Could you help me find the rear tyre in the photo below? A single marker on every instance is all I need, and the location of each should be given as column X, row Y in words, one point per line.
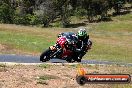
column 78, row 60
column 69, row 61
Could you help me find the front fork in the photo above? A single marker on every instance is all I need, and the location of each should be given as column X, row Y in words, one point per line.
column 57, row 50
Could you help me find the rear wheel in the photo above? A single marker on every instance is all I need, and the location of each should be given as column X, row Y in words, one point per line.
column 69, row 60
column 75, row 58
column 78, row 60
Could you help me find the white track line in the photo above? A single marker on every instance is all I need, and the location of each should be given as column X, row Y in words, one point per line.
column 14, row 63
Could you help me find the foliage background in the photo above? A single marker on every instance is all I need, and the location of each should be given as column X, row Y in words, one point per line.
column 45, row 12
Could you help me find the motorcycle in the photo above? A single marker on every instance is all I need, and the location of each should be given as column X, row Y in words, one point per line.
column 61, row 50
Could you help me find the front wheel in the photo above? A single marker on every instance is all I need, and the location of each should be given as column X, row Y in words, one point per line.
column 45, row 56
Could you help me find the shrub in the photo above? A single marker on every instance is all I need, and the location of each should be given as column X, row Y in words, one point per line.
column 6, row 13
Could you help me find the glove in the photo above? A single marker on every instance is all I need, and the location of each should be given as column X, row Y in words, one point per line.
column 52, row 47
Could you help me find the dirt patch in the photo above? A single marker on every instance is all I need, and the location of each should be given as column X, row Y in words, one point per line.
column 21, row 76
column 2, row 47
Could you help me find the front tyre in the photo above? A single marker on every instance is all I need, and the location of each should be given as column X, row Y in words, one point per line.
column 45, row 56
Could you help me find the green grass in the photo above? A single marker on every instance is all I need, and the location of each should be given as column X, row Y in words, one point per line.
column 42, row 79
column 114, row 26
column 44, row 66
column 110, row 53
column 47, row 77
column 3, row 68
column 3, row 65
column 25, row 41
column 127, row 17
column 42, row 82
column 112, row 41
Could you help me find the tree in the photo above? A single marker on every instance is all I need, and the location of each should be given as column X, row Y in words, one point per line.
column 63, row 7
column 88, row 5
column 45, row 11
column 6, row 12
column 117, row 5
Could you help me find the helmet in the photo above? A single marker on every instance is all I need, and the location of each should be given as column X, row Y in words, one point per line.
column 82, row 33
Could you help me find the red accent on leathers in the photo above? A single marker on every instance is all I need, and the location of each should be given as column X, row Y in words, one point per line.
column 61, row 41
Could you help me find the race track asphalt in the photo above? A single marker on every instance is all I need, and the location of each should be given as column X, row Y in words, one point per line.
column 35, row 59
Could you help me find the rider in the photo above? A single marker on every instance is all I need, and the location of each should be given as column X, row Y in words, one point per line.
column 83, row 44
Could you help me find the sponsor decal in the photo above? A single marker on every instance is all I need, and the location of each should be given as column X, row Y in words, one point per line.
column 83, row 78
